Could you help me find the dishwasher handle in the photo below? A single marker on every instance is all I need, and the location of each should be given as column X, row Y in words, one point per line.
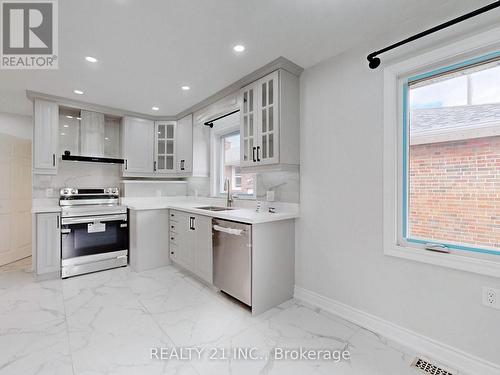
column 235, row 232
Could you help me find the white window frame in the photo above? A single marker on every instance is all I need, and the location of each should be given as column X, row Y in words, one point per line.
column 395, row 76
column 217, row 135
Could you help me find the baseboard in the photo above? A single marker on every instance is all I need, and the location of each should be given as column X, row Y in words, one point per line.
column 448, row 355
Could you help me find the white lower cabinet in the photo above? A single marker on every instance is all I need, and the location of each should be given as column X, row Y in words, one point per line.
column 191, row 243
column 148, row 239
column 47, row 242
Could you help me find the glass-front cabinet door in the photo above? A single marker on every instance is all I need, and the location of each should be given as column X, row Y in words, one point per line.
column 164, row 147
column 247, row 126
column 267, row 152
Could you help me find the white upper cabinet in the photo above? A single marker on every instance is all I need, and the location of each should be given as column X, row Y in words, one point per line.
column 157, row 149
column 184, row 140
column 45, row 137
column 165, row 147
column 269, row 126
column 268, row 140
column 137, row 146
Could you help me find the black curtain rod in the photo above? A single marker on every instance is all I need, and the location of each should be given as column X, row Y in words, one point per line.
column 374, row 62
column 211, row 122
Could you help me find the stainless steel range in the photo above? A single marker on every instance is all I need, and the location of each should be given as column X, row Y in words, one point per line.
column 94, row 230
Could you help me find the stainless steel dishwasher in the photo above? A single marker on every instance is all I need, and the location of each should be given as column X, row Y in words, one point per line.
column 232, row 258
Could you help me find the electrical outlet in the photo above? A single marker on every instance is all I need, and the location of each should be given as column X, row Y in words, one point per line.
column 270, row 195
column 491, row 297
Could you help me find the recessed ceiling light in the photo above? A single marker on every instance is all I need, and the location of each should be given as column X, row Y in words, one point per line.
column 106, row 138
column 239, row 48
column 78, row 92
column 154, row 108
column 63, row 133
column 91, row 59
column 69, row 116
column 185, row 88
column 78, row 118
column 66, row 126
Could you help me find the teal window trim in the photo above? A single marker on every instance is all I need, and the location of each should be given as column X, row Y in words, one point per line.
column 405, row 134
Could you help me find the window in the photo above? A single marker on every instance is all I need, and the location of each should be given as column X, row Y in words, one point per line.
column 452, row 159
column 442, row 156
column 242, row 184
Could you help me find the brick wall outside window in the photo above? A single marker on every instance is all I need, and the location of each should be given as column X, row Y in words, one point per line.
column 454, row 191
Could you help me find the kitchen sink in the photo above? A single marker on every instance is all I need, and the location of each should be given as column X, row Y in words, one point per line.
column 214, row 208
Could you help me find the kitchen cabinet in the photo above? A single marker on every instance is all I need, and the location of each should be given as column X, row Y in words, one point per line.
column 137, row 147
column 165, row 148
column 269, row 126
column 149, row 244
column 184, row 143
column 45, row 137
column 191, row 243
column 47, row 243
column 157, row 149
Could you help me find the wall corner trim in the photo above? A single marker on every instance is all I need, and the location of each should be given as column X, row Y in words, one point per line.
column 426, row 346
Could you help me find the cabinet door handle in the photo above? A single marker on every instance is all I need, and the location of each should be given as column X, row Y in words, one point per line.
column 126, row 164
column 258, row 149
column 154, row 166
column 191, row 223
column 253, row 155
column 182, row 164
column 58, row 225
column 53, row 160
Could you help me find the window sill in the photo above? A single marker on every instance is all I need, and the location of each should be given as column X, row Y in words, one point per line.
column 454, row 261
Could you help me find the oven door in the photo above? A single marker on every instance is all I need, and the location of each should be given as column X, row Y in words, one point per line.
column 84, row 236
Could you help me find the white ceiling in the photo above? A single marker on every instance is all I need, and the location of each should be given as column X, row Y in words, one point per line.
column 148, row 49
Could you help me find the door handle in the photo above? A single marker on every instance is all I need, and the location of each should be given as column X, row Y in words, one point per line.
column 53, row 160
column 258, row 149
column 154, row 166
column 191, row 223
column 126, row 164
column 182, row 164
column 253, row 155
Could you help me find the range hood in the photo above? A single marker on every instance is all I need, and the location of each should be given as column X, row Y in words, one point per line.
column 93, row 159
column 89, row 137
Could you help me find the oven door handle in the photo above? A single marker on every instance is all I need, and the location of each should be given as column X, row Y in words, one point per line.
column 93, row 219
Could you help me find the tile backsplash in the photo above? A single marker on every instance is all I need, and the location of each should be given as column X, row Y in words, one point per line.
column 76, row 174
column 285, row 184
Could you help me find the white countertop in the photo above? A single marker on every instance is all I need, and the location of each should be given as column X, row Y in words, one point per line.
column 48, row 205
column 245, row 214
column 244, row 211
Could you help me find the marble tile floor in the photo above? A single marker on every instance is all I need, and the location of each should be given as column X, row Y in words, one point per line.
column 108, row 322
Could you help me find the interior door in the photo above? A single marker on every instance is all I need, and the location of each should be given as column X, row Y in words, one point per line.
column 268, row 143
column 15, row 198
column 165, row 147
column 247, row 126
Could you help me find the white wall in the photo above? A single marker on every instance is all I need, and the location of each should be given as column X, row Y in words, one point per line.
column 16, row 125
column 339, row 234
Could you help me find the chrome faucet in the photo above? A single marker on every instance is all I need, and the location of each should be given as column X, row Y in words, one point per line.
column 227, row 187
